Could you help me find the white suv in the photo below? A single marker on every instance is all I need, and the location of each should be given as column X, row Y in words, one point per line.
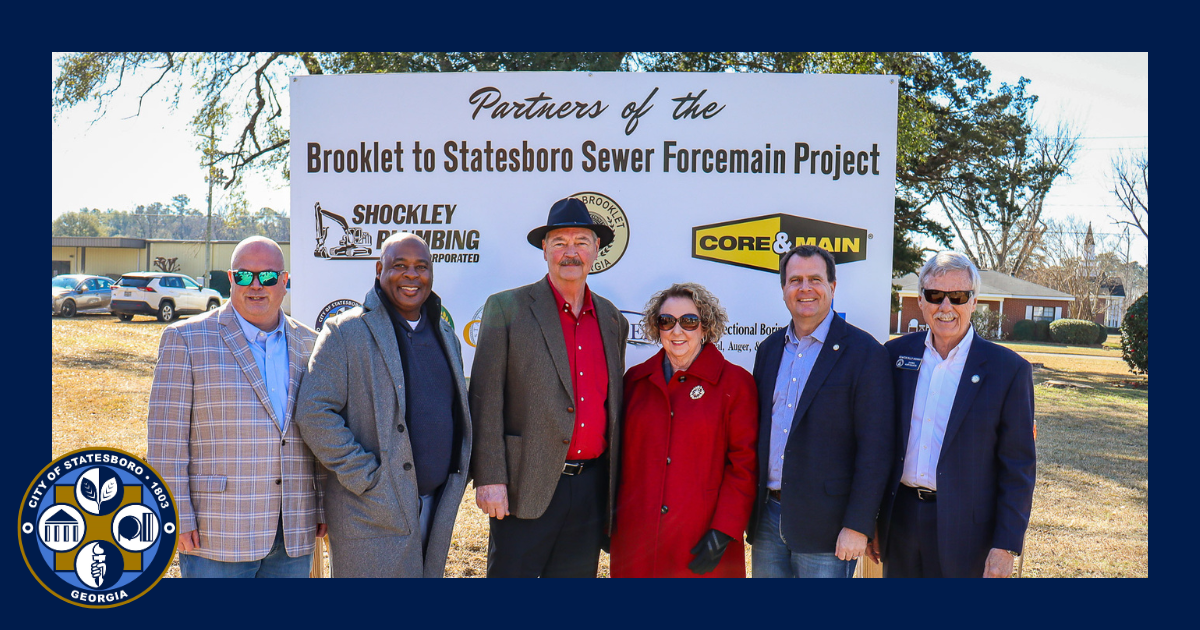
column 163, row 295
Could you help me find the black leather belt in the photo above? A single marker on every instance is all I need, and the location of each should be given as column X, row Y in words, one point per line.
column 571, row 468
column 923, row 494
column 775, row 494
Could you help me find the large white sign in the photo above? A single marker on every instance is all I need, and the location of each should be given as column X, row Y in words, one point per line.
column 704, row 177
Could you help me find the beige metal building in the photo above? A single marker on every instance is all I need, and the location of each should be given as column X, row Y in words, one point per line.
column 113, row 256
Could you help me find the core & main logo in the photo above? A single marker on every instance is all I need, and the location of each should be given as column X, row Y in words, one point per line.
column 758, row 242
column 98, row 527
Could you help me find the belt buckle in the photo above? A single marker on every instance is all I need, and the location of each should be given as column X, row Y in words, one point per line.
column 572, row 468
column 925, row 494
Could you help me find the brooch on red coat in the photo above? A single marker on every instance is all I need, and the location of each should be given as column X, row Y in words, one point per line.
column 697, row 392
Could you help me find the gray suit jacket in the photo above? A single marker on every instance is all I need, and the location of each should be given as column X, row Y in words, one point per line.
column 350, row 413
column 521, row 393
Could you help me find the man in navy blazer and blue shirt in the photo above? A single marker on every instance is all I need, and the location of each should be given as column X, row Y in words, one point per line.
column 961, row 490
column 825, row 431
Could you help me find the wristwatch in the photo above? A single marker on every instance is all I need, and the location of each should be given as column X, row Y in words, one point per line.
column 1013, row 553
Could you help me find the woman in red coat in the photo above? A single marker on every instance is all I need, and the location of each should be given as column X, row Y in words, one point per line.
column 689, row 462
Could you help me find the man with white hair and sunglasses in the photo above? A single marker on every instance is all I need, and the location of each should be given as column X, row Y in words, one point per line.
column 961, row 488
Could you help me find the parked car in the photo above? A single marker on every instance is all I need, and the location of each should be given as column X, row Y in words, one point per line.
column 79, row 293
column 163, row 295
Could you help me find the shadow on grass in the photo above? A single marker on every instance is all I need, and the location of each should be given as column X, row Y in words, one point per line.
column 1103, row 383
column 131, row 363
column 1096, row 435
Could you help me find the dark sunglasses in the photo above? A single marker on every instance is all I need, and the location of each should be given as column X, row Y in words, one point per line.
column 957, row 298
column 688, row 322
column 244, row 278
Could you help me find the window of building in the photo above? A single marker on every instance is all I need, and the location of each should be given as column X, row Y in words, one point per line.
column 1043, row 313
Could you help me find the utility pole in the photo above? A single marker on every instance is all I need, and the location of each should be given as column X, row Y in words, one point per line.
column 208, row 227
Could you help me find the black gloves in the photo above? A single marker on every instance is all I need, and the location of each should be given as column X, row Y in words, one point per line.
column 709, row 551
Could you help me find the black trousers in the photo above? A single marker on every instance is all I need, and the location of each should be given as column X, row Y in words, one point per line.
column 564, row 541
column 912, row 550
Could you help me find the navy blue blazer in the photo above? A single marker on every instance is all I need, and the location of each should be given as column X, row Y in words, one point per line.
column 840, row 447
column 985, row 471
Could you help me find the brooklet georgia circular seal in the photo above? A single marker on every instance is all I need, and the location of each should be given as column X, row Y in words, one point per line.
column 98, row 527
column 604, row 210
column 333, row 308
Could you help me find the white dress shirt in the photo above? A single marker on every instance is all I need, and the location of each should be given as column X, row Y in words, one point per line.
column 937, row 384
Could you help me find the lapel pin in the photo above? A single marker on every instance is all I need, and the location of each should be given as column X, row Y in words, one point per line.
column 975, row 378
column 697, row 392
column 836, row 347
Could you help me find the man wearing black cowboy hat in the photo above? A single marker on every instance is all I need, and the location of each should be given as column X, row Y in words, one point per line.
column 545, row 396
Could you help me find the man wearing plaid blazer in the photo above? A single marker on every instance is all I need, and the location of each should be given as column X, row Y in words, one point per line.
column 220, row 430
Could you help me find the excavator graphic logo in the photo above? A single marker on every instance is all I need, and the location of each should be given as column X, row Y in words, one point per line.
column 355, row 243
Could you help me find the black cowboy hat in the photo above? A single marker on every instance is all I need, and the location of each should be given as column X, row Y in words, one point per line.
column 566, row 213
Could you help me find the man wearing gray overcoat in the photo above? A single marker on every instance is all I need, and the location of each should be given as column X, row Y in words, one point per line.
column 384, row 409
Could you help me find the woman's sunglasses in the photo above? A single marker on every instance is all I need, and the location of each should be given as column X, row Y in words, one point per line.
column 688, row 322
column 957, row 298
column 246, row 278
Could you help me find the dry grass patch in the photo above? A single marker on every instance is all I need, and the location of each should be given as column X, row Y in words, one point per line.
column 1091, row 508
column 101, row 371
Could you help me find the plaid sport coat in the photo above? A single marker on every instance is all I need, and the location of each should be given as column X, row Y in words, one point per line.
column 213, row 436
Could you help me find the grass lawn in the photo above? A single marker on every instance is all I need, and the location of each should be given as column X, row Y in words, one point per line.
column 1090, row 512
column 1059, row 348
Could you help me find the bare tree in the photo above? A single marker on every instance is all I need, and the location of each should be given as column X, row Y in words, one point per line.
column 996, row 209
column 1073, row 260
column 1131, row 185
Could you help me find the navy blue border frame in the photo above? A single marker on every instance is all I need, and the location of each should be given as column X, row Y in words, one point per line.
column 547, row 26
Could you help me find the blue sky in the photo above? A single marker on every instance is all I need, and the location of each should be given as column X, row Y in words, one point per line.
column 126, row 159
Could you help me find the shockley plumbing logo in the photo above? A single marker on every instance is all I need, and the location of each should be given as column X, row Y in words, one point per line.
column 98, row 527
column 758, row 242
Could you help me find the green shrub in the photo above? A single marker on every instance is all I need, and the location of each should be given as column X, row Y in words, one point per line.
column 1074, row 332
column 1031, row 330
column 1135, row 336
column 989, row 324
column 1101, row 334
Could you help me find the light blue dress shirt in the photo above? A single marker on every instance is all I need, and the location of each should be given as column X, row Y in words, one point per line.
column 799, row 355
column 271, row 354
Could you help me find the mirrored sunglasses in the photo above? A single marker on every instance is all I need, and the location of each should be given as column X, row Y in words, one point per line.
column 688, row 322
column 957, row 298
column 244, row 278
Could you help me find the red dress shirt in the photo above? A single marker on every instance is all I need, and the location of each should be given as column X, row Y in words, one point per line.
column 589, row 376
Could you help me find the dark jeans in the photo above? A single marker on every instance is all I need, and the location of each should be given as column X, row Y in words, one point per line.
column 565, row 541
